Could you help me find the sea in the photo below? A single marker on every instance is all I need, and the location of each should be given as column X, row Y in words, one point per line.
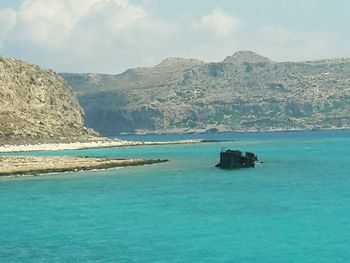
column 293, row 207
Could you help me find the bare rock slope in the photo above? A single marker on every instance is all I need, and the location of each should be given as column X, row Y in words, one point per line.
column 37, row 105
column 245, row 91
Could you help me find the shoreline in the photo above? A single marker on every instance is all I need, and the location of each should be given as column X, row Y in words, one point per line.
column 35, row 165
column 108, row 143
column 206, row 131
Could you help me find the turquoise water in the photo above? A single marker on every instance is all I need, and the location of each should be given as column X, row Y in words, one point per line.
column 295, row 207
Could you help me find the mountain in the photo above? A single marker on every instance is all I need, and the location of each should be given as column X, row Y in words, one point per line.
column 246, row 57
column 168, row 71
column 245, row 92
column 37, row 105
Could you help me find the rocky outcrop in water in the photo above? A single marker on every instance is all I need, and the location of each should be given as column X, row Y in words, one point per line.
column 37, row 105
column 233, row 159
column 243, row 92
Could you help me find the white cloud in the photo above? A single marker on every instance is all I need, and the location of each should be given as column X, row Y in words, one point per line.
column 112, row 35
column 212, row 37
column 7, row 22
column 51, row 24
column 96, row 35
column 218, row 23
column 114, row 15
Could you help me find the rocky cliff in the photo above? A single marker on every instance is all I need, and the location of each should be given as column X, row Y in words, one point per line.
column 37, row 105
column 243, row 92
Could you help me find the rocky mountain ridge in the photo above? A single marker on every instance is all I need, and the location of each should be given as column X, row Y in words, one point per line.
column 37, row 105
column 245, row 92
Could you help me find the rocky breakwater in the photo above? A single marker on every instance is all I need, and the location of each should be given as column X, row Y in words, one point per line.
column 37, row 105
column 34, row 165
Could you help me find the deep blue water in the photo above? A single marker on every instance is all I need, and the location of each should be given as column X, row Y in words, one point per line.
column 295, row 207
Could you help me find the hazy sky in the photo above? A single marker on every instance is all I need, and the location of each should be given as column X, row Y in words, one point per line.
column 109, row 36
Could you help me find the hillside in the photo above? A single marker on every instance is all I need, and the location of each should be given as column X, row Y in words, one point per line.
column 243, row 92
column 37, row 105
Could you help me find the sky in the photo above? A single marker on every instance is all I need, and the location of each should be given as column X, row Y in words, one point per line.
column 110, row 36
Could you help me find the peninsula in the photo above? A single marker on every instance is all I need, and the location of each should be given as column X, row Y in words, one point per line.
column 34, row 165
column 39, row 112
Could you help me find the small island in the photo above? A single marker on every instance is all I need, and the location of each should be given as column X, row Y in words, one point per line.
column 34, row 165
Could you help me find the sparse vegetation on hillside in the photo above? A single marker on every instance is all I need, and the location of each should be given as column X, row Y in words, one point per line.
column 37, row 105
column 244, row 92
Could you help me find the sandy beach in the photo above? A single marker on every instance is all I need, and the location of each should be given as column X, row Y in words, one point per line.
column 33, row 165
column 86, row 145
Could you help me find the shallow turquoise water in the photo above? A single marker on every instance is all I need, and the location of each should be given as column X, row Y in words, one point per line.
column 295, row 207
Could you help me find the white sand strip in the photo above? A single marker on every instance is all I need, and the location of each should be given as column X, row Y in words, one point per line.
column 86, row 145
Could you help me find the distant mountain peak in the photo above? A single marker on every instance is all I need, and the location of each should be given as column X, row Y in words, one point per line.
column 180, row 62
column 246, row 56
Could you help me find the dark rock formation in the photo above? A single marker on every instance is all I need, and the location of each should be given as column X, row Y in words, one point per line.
column 231, row 159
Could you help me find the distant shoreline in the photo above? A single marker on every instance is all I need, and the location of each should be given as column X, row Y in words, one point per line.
column 12, row 148
column 209, row 131
column 109, row 143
